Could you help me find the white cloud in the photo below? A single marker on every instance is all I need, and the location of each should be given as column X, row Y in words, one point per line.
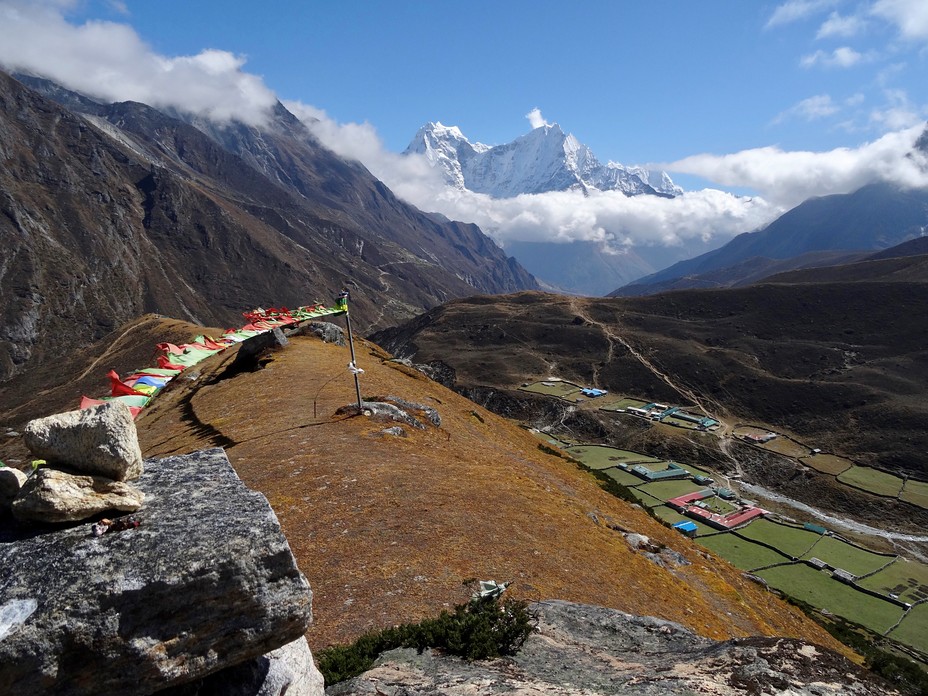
column 119, row 6
column 535, row 118
column 843, row 57
column 898, row 112
column 841, row 26
column 564, row 216
column 795, row 10
column 109, row 61
column 788, row 178
column 909, row 16
column 811, row 109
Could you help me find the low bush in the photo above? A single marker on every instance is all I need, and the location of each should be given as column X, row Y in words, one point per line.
column 478, row 630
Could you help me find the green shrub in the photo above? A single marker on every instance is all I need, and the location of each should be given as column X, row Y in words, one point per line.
column 479, row 630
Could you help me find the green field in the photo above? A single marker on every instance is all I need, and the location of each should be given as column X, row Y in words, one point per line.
column 603, row 457
column 823, row 592
column 827, row 463
column 793, row 541
column 645, row 499
column 670, row 515
column 550, row 388
column 840, row 554
column 906, row 579
column 915, row 492
column 914, row 628
column 785, row 446
column 623, row 404
column 872, row 480
column 740, row 552
column 623, row 477
column 665, row 490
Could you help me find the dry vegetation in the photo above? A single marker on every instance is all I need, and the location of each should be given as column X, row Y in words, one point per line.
column 389, row 528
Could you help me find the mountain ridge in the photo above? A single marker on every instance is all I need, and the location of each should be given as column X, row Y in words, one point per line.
column 544, row 159
column 121, row 209
column 874, row 217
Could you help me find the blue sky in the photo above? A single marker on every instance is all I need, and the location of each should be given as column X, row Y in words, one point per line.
column 777, row 99
column 637, row 82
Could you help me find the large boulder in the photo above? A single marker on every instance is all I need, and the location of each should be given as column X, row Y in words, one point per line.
column 205, row 581
column 100, row 440
column 581, row 650
column 55, row 496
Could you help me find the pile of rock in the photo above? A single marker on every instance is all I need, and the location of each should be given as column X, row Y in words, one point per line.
column 89, row 456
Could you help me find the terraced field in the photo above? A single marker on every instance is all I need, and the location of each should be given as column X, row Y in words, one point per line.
column 872, row 480
column 820, row 590
column 915, row 492
column 793, row 541
column 906, row 579
column 840, row 554
column 827, row 463
column 740, row 552
column 914, row 628
column 603, row 457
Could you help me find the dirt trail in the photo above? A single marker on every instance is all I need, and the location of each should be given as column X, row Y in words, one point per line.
column 612, row 337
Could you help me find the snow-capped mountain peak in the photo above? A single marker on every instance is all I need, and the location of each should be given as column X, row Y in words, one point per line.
column 544, row 159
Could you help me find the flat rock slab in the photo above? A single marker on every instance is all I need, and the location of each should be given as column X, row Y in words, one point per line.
column 206, row 580
column 584, row 650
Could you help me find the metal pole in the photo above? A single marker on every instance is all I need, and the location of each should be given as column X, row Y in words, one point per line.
column 357, row 382
column 343, row 304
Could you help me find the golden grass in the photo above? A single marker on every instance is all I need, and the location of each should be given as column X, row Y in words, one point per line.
column 387, row 528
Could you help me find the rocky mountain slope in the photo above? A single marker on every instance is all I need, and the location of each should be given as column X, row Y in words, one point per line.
column 389, row 526
column 875, row 217
column 112, row 210
column 545, row 159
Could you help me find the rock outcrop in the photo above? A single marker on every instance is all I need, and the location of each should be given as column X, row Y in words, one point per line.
column 205, row 581
column 50, row 495
column 580, row 649
column 100, row 440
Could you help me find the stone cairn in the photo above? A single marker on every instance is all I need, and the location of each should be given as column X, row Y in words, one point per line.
column 89, row 457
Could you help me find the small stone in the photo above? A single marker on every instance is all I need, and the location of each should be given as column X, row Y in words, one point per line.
column 11, row 481
column 55, row 496
column 395, row 431
column 101, row 440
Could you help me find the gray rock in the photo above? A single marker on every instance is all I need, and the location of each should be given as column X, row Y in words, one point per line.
column 328, row 332
column 292, row 672
column 288, row 670
column 11, row 481
column 252, row 350
column 587, row 651
column 395, row 431
column 205, row 581
column 99, row 440
column 430, row 413
column 53, row 496
column 640, row 542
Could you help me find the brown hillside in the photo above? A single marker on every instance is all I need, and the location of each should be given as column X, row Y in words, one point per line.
column 840, row 364
column 387, row 528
